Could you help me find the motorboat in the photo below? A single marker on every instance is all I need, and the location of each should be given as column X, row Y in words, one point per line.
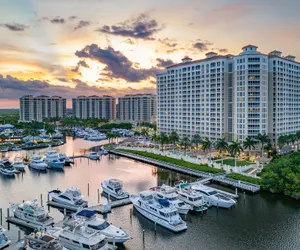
column 5, row 161
column 159, row 211
column 196, row 200
column 3, row 150
column 7, row 170
column 63, row 157
column 41, row 241
column 112, row 233
column 105, row 152
column 77, row 236
column 52, row 159
column 4, row 241
column 16, row 149
column 37, row 163
column 31, row 212
column 169, row 193
column 215, row 198
column 114, row 188
column 93, row 156
column 95, row 137
column 72, row 196
column 18, row 164
column 57, row 135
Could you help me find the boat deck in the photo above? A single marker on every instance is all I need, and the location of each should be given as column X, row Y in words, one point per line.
column 23, row 223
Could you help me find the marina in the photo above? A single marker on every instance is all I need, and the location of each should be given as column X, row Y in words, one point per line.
column 255, row 211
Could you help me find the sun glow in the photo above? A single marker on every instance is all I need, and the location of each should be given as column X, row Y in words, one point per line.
column 91, row 74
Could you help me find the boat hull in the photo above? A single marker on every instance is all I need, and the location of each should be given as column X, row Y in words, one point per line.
column 38, row 166
column 56, row 165
column 221, row 204
column 5, row 244
column 55, row 197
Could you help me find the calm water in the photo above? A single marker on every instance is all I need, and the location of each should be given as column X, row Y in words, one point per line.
column 262, row 222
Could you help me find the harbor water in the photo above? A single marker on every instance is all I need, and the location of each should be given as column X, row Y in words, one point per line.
column 258, row 222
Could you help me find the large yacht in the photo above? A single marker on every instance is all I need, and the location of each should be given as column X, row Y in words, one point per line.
column 18, row 164
column 52, row 159
column 7, row 170
column 4, row 241
column 169, row 193
column 216, row 199
column 114, row 188
column 196, row 200
column 111, row 232
column 72, row 196
column 159, row 211
column 77, row 236
column 31, row 212
column 64, row 158
column 37, row 163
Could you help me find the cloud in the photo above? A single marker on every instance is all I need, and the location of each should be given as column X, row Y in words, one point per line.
column 117, row 65
column 73, row 18
column 168, row 42
column 223, row 50
column 58, row 20
column 201, row 45
column 82, row 64
column 141, row 27
column 13, row 88
column 14, row 26
column 163, row 63
column 82, row 24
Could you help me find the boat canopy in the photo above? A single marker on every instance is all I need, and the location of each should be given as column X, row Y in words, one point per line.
column 86, row 213
column 164, row 202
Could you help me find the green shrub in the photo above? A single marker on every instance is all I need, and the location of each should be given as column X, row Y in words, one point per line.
column 241, row 177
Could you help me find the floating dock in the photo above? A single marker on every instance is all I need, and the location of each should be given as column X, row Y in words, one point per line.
column 23, row 223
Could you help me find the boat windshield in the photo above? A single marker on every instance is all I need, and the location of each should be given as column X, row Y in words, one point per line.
column 197, row 198
column 102, row 226
column 172, row 198
column 212, row 192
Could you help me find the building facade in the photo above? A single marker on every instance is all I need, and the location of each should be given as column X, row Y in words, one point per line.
column 94, row 107
column 135, row 108
column 230, row 96
column 40, row 107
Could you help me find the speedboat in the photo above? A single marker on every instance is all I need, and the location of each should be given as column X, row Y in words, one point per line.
column 196, row 200
column 5, row 161
column 52, row 159
column 77, row 236
column 93, row 156
column 18, row 164
column 114, row 188
column 7, row 170
column 37, row 163
column 105, row 152
column 41, row 241
column 215, row 198
column 4, row 241
column 159, row 211
column 31, row 212
column 169, row 193
column 72, row 196
column 111, row 232
column 3, row 150
column 64, row 158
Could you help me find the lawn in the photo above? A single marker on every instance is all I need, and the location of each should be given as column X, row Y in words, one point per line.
column 182, row 163
column 230, row 162
column 244, row 178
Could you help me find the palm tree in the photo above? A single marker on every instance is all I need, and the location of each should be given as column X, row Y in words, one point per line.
column 155, row 138
column 235, row 148
column 185, row 142
column 145, row 132
column 249, row 143
column 207, row 145
column 196, row 139
column 221, row 145
column 173, row 138
column 136, row 133
column 263, row 139
column 282, row 140
column 109, row 135
column 163, row 138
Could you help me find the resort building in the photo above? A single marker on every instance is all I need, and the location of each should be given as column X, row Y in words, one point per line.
column 40, row 107
column 94, row 107
column 135, row 108
column 230, row 96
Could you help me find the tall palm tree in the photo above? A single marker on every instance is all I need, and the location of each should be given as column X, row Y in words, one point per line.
column 263, row 139
column 185, row 142
column 234, row 149
column 207, row 145
column 282, row 140
column 109, row 135
column 196, row 139
column 155, row 139
column 221, row 145
column 163, row 138
column 145, row 132
column 173, row 138
column 249, row 143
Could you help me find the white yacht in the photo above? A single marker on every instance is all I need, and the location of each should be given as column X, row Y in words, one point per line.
column 95, row 137
column 216, row 199
column 52, row 159
column 16, row 148
column 77, row 236
column 196, row 200
column 63, row 157
column 169, row 193
column 159, row 211
column 31, row 212
column 72, row 196
column 111, row 232
column 4, row 241
column 7, row 170
column 114, row 188
column 57, row 135
column 18, row 164
column 37, row 163
column 105, row 152
column 93, row 156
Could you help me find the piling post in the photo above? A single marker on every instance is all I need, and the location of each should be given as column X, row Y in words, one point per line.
column 155, row 227
column 130, row 212
column 143, row 236
column 8, row 212
column 98, row 192
column 1, row 216
column 88, row 189
column 41, row 200
column 48, row 197
column 108, row 199
column 244, row 197
column 19, row 235
column 236, row 191
column 114, row 243
column 65, row 212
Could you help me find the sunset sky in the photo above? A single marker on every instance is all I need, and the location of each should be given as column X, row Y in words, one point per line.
column 115, row 47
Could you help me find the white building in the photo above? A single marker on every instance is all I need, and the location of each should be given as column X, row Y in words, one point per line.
column 230, row 96
column 41, row 107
